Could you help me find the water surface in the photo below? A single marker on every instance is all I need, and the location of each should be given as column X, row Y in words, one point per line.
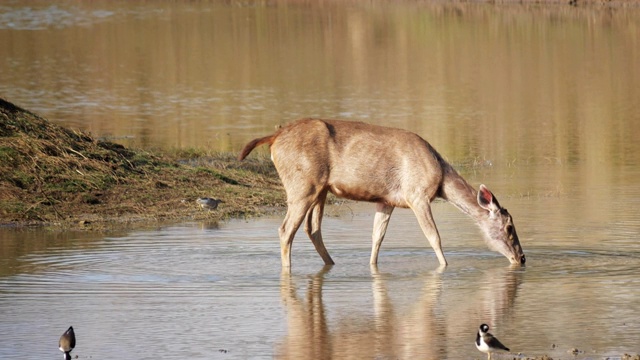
column 539, row 103
column 503, row 83
column 207, row 291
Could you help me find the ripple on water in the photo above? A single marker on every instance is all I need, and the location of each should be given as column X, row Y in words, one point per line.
column 225, row 287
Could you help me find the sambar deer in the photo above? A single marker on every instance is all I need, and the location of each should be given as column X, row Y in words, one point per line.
column 390, row 167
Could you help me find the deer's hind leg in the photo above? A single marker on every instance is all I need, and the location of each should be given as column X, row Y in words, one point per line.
column 300, row 200
column 295, row 214
column 380, row 223
column 313, row 224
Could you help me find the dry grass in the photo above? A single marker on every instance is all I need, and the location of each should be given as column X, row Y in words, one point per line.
column 54, row 175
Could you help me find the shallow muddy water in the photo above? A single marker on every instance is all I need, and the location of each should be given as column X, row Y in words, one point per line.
column 539, row 103
column 204, row 291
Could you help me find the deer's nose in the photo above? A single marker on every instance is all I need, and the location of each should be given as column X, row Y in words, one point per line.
column 523, row 259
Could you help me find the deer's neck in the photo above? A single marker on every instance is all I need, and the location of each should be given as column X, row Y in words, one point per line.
column 456, row 190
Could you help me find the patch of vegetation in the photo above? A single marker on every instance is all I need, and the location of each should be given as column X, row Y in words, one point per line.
column 53, row 175
column 218, row 175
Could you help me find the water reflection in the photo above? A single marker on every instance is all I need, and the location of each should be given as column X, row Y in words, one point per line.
column 546, row 95
column 511, row 84
column 309, row 334
column 425, row 328
column 416, row 333
column 498, row 293
column 209, row 288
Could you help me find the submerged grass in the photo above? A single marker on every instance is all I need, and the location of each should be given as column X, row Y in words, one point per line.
column 51, row 175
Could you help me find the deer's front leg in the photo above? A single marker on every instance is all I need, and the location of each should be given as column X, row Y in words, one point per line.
column 422, row 209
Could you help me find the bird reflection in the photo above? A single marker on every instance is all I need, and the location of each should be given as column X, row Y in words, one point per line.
column 209, row 225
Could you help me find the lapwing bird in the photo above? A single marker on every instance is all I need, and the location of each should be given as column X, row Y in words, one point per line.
column 67, row 342
column 209, row 203
column 487, row 343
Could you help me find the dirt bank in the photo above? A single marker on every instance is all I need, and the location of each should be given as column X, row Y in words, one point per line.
column 54, row 176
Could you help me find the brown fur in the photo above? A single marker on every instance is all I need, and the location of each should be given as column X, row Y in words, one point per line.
column 388, row 166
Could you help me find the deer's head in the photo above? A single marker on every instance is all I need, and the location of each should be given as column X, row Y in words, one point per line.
column 499, row 229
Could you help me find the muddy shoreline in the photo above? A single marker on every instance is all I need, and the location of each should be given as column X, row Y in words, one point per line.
column 64, row 178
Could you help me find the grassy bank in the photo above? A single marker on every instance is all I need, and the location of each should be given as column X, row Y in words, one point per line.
column 50, row 175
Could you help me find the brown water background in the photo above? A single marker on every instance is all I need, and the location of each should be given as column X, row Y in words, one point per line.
column 541, row 103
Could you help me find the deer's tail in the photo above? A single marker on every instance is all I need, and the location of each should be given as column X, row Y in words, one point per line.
column 255, row 143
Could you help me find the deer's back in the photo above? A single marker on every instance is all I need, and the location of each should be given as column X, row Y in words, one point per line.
column 356, row 160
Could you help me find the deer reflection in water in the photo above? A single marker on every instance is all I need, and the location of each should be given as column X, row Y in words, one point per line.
column 424, row 330
column 306, row 319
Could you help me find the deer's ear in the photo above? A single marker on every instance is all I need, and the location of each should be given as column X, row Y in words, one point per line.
column 486, row 200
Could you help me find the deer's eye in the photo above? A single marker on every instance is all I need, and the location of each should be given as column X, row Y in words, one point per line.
column 509, row 229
